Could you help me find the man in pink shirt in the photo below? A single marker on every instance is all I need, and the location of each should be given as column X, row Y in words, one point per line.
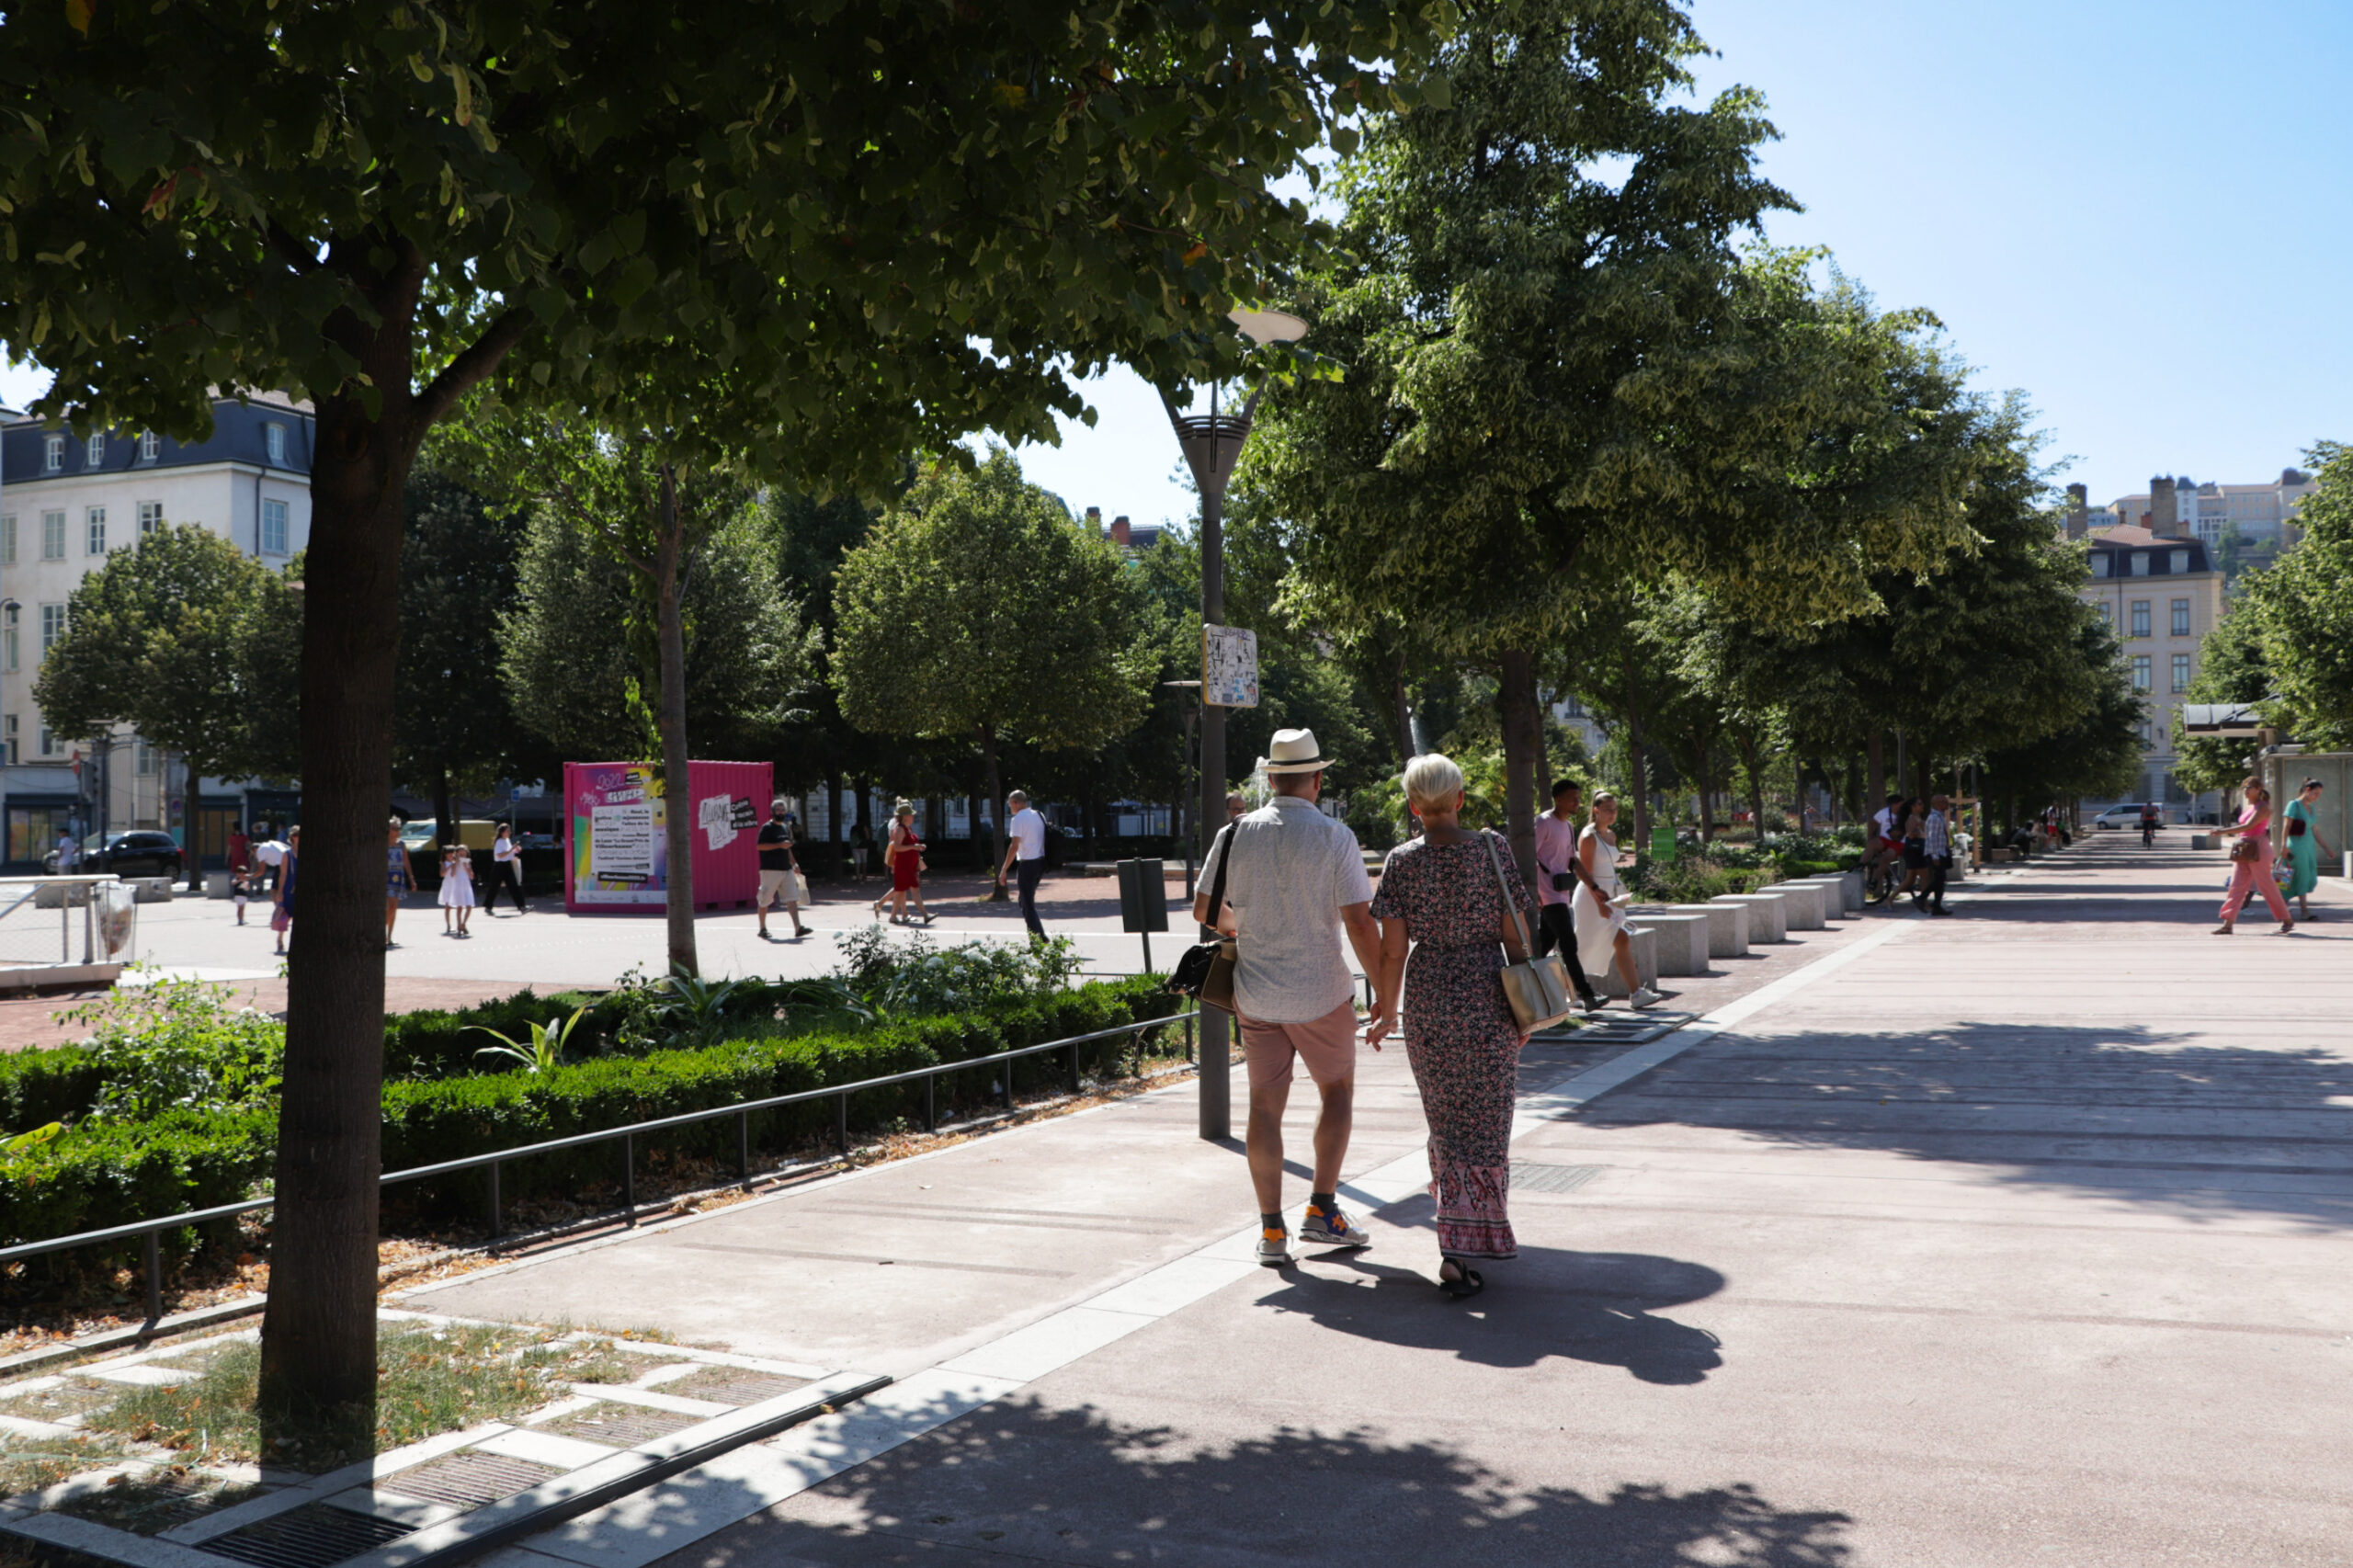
column 1556, row 884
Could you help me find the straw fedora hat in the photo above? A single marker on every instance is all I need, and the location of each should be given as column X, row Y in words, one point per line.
column 1292, row 751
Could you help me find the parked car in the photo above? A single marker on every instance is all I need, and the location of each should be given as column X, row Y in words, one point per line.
column 2128, row 817
column 139, row 854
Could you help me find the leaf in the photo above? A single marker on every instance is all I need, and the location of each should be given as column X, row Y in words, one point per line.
column 79, row 14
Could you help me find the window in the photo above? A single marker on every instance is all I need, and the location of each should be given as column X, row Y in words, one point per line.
column 8, row 540
column 273, row 527
column 275, row 435
column 8, row 739
column 95, row 538
column 94, row 451
column 2181, row 617
column 52, row 627
column 2107, row 615
column 151, row 445
column 2099, row 563
column 48, row 742
column 2180, row 562
column 2139, row 618
column 2140, row 668
column 2140, row 564
column 8, row 637
column 52, row 455
column 2181, row 672
column 145, row 764
column 53, row 536
column 151, row 517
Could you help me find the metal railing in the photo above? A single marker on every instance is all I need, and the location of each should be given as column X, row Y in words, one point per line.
column 102, row 908
column 149, row 1233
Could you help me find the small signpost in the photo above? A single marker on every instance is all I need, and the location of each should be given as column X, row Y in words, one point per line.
column 1229, row 666
column 1143, row 900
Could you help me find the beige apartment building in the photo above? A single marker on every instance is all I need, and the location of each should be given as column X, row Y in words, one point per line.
column 2157, row 585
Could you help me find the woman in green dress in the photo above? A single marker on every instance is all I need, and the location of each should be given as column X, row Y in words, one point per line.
column 2300, row 825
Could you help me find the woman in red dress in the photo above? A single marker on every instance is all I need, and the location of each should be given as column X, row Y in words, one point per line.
column 904, row 855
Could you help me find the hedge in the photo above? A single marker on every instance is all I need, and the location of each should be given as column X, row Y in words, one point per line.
column 39, row 1087
column 101, row 1173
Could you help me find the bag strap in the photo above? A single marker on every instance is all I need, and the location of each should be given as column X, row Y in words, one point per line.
column 1511, row 907
column 1225, row 861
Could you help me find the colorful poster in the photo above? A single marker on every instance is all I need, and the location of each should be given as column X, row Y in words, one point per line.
column 617, row 855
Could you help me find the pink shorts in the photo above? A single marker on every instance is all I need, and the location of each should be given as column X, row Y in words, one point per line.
column 1328, row 1044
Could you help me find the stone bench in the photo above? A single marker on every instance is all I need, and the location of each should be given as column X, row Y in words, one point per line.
column 1851, row 889
column 1727, row 924
column 1645, row 943
column 1834, row 894
column 1682, row 938
column 1767, row 915
column 1806, row 903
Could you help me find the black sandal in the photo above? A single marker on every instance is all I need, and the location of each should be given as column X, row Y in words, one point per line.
column 1467, row 1283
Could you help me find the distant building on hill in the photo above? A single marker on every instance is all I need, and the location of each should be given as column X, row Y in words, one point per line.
column 1126, row 537
column 2244, row 525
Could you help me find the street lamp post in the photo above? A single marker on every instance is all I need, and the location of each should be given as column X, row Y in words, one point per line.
column 1211, row 446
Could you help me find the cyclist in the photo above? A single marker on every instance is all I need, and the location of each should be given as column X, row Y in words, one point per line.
column 2149, row 819
column 1882, row 841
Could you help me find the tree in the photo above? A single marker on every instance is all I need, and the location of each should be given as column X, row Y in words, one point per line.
column 377, row 207
column 453, row 726
column 175, row 637
column 2230, row 669
column 1560, row 377
column 978, row 609
column 2303, row 614
column 2097, row 752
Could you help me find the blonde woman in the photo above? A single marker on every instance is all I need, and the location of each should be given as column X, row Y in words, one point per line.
column 1448, row 896
column 2253, row 875
column 1601, row 914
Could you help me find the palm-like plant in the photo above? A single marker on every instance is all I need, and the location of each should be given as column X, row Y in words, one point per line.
column 546, row 1048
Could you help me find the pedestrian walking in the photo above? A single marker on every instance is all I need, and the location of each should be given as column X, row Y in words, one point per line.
column 456, row 895
column 2251, row 861
column 1455, row 897
column 2299, row 836
column 1937, row 842
column 1601, row 904
column 903, row 858
column 399, row 876
column 506, row 873
column 281, row 914
column 1913, row 836
column 1294, row 880
column 1026, row 856
column 241, row 888
column 67, row 853
column 779, row 870
column 1556, row 886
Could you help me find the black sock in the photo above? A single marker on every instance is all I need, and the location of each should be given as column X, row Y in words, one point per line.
column 1272, row 1222
column 1328, row 1202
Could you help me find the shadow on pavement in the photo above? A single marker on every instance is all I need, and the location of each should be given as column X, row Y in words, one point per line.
column 1023, row 1481
column 1548, row 1304
column 2123, row 1111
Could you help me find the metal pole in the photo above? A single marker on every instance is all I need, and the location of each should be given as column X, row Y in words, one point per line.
column 628, row 1175
column 743, row 1149
column 496, row 1226
column 154, row 1277
column 1217, row 1092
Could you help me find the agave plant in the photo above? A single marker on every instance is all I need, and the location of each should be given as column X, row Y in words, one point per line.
column 545, row 1049
column 37, row 1137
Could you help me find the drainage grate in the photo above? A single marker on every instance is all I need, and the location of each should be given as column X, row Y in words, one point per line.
column 731, row 1385
column 469, row 1479
column 620, row 1426
column 310, row 1537
column 1526, row 1177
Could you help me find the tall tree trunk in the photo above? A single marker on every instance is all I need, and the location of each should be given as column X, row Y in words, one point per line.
column 1637, row 768
column 1523, row 727
column 318, row 1347
column 1875, row 747
column 834, row 836
column 677, row 787
column 1750, row 762
column 989, row 769
column 1404, row 712
column 1706, row 759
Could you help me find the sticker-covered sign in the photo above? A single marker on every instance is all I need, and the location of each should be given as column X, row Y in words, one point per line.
column 1229, row 666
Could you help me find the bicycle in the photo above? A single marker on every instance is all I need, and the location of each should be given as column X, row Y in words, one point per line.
column 1881, row 877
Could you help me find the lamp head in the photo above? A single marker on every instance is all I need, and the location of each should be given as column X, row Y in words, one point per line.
column 1263, row 328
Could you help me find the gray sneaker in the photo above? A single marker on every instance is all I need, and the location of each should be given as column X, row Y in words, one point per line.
column 1333, row 1229
column 1274, row 1248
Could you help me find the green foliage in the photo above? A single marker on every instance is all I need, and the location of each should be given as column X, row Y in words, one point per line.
column 178, row 1044
column 544, row 1051
column 106, row 1173
column 1694, row 878
column 452, row 727
column 180, row 636
column 976, row 608
column 903, row 980
column 2304, row 614
column 2231, row 668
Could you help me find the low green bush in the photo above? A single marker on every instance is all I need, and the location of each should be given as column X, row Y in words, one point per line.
column 105, row 1173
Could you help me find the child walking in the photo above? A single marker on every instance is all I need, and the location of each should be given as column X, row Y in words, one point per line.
column 457, row 889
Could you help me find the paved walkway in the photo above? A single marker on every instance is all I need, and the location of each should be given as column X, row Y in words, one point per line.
column 2019, row 1237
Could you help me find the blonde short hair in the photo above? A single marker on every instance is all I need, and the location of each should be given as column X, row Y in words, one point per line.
column 1431, row 780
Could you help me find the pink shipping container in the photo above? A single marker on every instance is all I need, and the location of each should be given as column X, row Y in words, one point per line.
column 616, row 859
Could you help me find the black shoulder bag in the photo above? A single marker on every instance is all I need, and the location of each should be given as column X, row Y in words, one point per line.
column 1206, row 971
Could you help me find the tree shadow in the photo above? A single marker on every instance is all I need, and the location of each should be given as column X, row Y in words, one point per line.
column 1021, row 1480
column 2123, row 1111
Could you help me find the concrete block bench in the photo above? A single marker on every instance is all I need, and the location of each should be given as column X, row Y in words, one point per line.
column 1806, row 902
column 1682, row 938
column 1834, row 894
column 1606, row 983
column 1767, row 915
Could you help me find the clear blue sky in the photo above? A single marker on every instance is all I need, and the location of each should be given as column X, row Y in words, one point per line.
column 2132, row 211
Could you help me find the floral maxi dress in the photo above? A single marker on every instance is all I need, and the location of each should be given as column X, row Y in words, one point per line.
column 1461, row 1037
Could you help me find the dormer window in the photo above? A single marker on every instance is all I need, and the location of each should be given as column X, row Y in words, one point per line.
column 2180, row 560
column 150, row 447
column 2140, row 564
column 2099, row 563
column 53, row 454
column 275, row 435
column 95, row 451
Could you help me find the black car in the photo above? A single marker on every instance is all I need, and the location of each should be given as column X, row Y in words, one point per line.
column 141, row 854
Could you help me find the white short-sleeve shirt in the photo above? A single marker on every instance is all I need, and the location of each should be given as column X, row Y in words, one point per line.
column 1294, row 869
column 1029, row 830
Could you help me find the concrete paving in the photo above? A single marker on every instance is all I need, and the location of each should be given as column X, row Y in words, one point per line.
column 2018, row 1237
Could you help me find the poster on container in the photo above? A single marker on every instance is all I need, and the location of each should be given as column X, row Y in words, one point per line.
column 617, row 850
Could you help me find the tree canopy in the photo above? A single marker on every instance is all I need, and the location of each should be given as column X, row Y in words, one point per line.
column 2303, row 614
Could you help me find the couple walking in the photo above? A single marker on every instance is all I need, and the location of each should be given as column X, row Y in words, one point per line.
column 1432, row 938
column 2262, row 837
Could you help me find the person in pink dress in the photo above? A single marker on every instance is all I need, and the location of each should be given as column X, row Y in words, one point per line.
column 2254, row 827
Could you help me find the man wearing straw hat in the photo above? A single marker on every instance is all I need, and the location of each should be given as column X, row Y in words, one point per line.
column 1294, row 879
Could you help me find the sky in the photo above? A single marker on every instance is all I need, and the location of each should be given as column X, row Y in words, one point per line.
column 2130, row 210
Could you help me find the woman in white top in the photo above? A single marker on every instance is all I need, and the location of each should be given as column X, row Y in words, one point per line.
column 457, row 888
column 506, row 873
column 1601, row 904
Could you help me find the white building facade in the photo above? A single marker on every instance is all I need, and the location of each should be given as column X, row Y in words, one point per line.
column 68, row 501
